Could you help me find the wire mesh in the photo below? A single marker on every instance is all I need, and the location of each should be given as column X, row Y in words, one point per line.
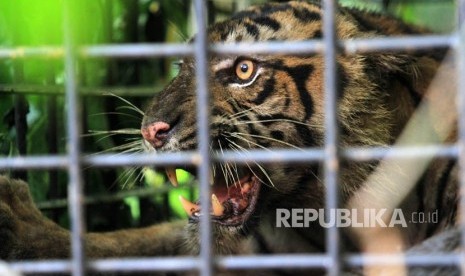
column 330, row 154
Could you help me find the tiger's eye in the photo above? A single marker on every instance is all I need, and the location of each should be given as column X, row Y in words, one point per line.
column 245, row 69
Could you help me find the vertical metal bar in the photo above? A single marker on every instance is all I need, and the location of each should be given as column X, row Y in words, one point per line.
column 73, row 116
column 460, row 52
column 331, row 163
column 203, row 112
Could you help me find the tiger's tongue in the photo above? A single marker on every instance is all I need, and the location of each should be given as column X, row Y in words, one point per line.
column 225, row 200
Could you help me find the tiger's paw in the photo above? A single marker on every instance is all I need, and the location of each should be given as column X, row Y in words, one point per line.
column 24, row 232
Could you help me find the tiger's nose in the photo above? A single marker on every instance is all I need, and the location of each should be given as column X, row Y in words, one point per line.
column 156, row 133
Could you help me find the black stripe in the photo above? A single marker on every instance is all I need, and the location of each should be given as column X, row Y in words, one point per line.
column 361, row 21
column 416, row 96
column 287, row 102
column 217, row 112
column 442, row 186
column 252, row 30
column 277, row 134
column 268, row 22
column 370, row 21
column 305, row 133
column 225, row 29
column 261, row 242
column 300, row 75
column 306, row 15
column 343, row 80
column 420, row 192
column 253, row 131
column 272, row 8
column 268, row 89
column 244, row 14
column 190, row 137
column 236, row 109
column 316, row 35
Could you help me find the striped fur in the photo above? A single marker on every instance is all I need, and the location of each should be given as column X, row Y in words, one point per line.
column 282, row 106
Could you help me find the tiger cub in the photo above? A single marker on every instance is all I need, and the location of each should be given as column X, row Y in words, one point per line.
column 267, row 102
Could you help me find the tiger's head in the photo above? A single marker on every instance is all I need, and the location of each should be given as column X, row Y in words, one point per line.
column 276, row 101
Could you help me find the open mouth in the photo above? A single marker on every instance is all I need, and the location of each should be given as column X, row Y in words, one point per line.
column 231, row 203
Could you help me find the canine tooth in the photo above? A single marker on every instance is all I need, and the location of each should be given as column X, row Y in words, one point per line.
column 218, row 209
column 188, row 206
column 171, row 173
column 245, row 188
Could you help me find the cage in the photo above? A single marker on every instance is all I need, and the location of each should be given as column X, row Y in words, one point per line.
column 73, row 79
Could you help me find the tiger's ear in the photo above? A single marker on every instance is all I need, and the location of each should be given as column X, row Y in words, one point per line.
column 421, row 73
column 415, row 72
column 431, row 82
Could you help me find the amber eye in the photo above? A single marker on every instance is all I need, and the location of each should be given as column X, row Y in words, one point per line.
column 245, row 69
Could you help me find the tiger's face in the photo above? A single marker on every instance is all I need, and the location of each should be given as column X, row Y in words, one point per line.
column 269, row 102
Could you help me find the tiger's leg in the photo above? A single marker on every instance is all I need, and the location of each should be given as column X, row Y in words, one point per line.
column 27, row 234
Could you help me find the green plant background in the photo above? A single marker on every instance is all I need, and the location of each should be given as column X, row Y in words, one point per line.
column 37, row 23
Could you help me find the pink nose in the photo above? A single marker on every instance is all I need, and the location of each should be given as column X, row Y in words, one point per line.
column 156, row 133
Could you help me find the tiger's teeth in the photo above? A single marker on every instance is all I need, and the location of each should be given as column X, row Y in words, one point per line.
column 188, row 206
column 171, row 173
column 218, row 209
column 245, row 188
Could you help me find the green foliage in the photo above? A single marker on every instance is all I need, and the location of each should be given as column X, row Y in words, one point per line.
column 25, row 23
column 438, row 16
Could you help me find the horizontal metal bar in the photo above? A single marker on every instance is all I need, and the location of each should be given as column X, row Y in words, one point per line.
column 349, row 46
column 421, row 260
column 143, row 159
column 281, row 261
column 34, row 162
column 110, row 265
column 137, row 50
column 405, row 43
column 40, row 267
column 376, row 44
column 145, row 264
column 259, row 156
column 312, row 155
column 274, row 47
column 239, row 262
column 377, row 153
column 271, row 156
column 15, row 89
column 29, row 52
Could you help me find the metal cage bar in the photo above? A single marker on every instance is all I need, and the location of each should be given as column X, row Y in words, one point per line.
column 460, row 53
column 75, row 187
column 239, row 262
column 203, row 134
column 331, row 147
column 330, row 154
column 147, row 50
column 192, row 158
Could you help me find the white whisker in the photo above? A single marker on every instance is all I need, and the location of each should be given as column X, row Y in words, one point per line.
column 265, row 138
column 135, row 108
column 238, row 147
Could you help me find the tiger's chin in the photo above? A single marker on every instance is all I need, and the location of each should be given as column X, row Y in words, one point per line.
column 233, row 200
